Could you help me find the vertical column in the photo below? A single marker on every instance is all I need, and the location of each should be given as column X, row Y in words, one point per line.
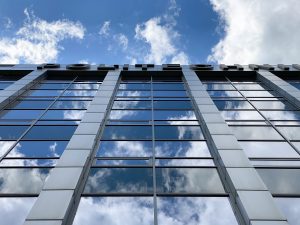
column 10, row 93
column 61, row 189
column 249, row 195
column 287, row 90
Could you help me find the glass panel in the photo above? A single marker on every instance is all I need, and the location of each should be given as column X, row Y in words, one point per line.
column 70, row 105
column 4, row 146
column 224, row 94
column 125, row 149
column 240, row 86
column 52, row 86
column 168, row 86
column 127, row 132
column 218, row 86
column 255, row 133
column 241, row 115
column 11, row 132
column 172, row 105
column 135, row 86
column 127, row 162
column 282, row 115
column 169, row 94
column 38, row 149
column 79, row 93
column 290, row 208
column 174, row 115
column 184, row 162
column 63, row 115
column 14, row 210
column 132, row 105
column 195, row 211
column 188, row 180
column 28, row 162
column 292, row 133
column 133, row 210
column 178, row 132
column 44, row 93
column 222, row 104
column 259, row 94
column 119, row 180
column 4, row 85
column 30, row 104
column 133, row 93
column 130, row 115
column 22, row 181
column 284, row 105
column 50, row 133
column 87, row 86
column 181, row 149
column 176, row 122
column 21, row 114
column 281, row 181
column 260, row 149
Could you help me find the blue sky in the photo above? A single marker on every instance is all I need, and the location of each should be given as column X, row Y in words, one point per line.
column 170, row 31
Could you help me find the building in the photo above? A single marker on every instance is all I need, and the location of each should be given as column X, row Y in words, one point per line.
column 148, row 144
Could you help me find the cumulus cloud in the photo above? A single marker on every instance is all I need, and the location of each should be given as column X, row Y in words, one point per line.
column 257, row 32
column 160, row 35
column 37, row 41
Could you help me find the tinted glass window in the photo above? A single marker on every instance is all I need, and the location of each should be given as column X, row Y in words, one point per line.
column 30, row 104
column 63, row 115
column 284, row 105
column 50, row 133
column 120, row 180
column 241, row 115
column 11, row 132
column 127, row 132
column 130, row 115
column 133, row 93
column 292, row 133
column 181, row 149
column 174, row 115
column 38, row 149
column 188, row 180
column 195, row 210
column 282, row 115
column 20, row 114
column 134, row 210
column 70, row 105
column 256, row 133
column 169, row 94
column 4, row 146
column 172, row 105
column 135, row 86
column 132, row 105
column 125, row 149
column 224, row 94
column 178, row 132
column 184, row 162
column 168, row 86
column 281, row 181
column 222, row 104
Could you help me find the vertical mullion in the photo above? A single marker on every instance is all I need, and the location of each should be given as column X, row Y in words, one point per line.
column 153, row 156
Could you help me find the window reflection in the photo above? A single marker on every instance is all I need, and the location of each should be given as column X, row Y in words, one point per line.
column 178, row 132
column 4, row 146
column 14, row 210
column 115, row 210
column 188, row 180
column 195, row 211
column 241, row 115
column 255, row 133
column 119, row 180
column 290, row 208
column 127, row 132
column 235, row 104
column 130, row 115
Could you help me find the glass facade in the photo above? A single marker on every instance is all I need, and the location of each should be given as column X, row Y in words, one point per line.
column 142, row 146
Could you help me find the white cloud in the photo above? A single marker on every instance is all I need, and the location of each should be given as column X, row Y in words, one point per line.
column 257, row 31
column 122, row 40
column 38, row 40
column 105, row 28
column 160, row 35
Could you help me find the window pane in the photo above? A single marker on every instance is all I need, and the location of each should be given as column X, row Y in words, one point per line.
column 222, row 104
column 119, row 180
column 22, row 181
column 37, row 149
column 259, row 93
column 4, row 146
column 240, row 86
column 50, row 133
column 172, row 105
column 132, row 105
column 184, row 162
column 174, row 115
column 282, row 115
column 168, row 86
column 123, row 162
column 255, row 133
column 188, row 180
column 79, row 93
column 30, row 104
column 127, row 132
column 125, row 149
column 52, row 86
column 63, row 115
column 290, row 207
column 133, row 210
column 130, row 115
column 135, row 86
column 195, row 211
column 169, row 94
column 224, row 94
column 281, row 181
column 241, row 115
column 70, row 105
column 181, row 149
column 178, row 132
column 284, row 105
column 11, row 132
column 267, row 149
column 87, row 86
column 28, row 162
column 53, row 93
column 133, row 93
column 292, row 133
column 218, row 86
column 14, row 210
column 21, row 114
